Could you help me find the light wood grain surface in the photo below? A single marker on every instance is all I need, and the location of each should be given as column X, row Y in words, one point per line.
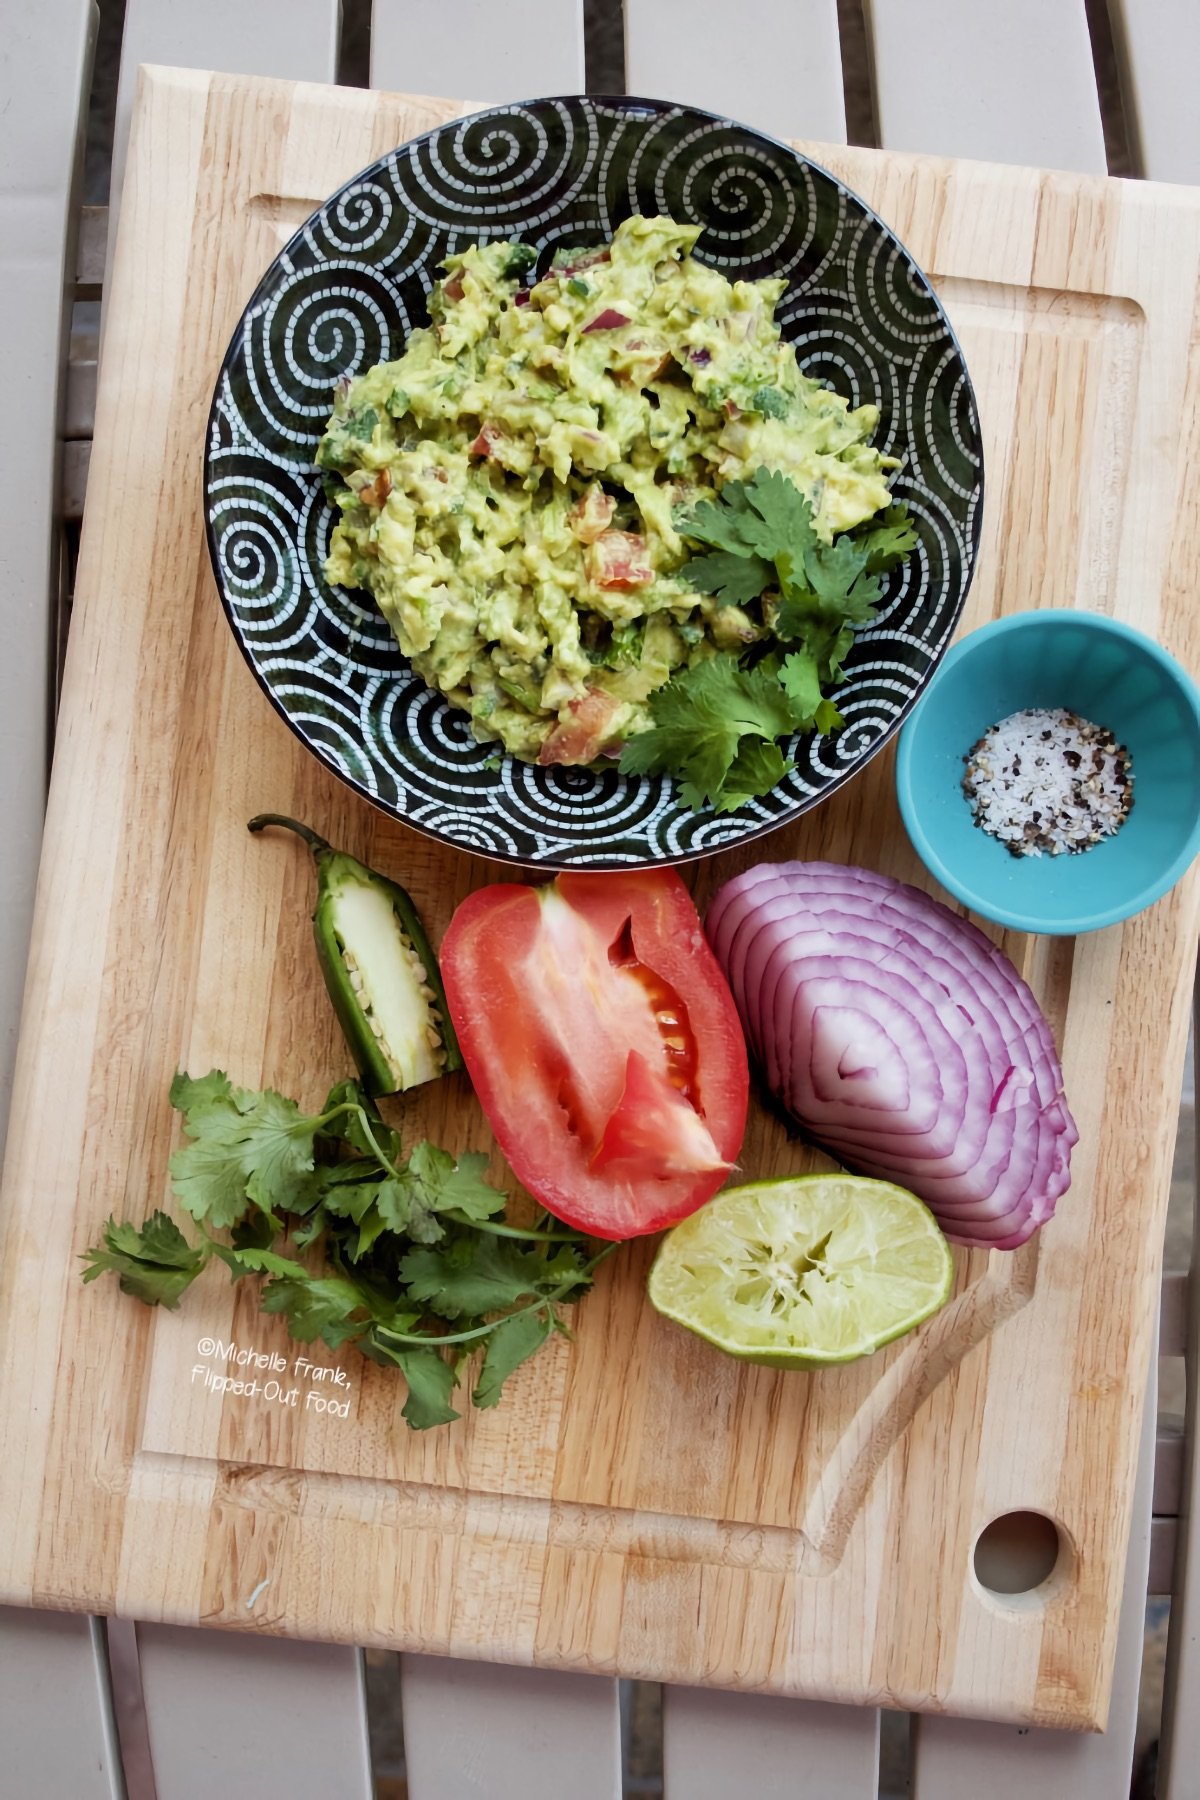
column 637, row 1504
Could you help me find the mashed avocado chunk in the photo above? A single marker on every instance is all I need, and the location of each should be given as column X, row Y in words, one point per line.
column 515, row 489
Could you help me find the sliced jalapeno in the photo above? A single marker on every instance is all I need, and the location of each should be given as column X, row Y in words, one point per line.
column 379, row 969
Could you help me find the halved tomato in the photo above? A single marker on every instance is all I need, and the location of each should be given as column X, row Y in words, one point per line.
column 603, row 1043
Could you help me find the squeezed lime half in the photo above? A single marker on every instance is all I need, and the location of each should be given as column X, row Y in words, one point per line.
column 804, row 1272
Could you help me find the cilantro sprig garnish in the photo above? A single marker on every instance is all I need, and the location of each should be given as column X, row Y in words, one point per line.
column 717, row 724
column 418, row 1268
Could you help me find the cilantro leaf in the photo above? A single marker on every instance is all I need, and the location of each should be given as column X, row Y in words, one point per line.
column 838, row 576
column 564, row 1270
column 828, row 719
column 154, row 1262
column 255, row 1232
column 361, row 425
column 762, row 517
column 521, row 259
column 801, row 680
column 316, row 1306
column 700, row 719
column 351, row 1200
column 771, row 402
column 209, row 1176
column 475, row 1274
column 431, row 1381
column 889, row 539
column 192, row 1094
column 253, row 1156
column 247, row 1148
column 734, row 578
column 755, row 770
column 431, row 1184
column 513, row 1342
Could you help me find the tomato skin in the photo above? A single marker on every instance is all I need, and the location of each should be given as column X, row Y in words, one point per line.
column 546, row 1016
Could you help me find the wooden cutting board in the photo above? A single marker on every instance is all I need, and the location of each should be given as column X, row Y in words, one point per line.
column 638, row 1504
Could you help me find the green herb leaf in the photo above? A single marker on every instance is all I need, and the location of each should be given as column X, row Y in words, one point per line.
column 253, row 1261
column 154, row 1262
column 255, row 1232
column 770, row 402
column 734, row 578
column 834, row 578
column 191, row 1094
column 700, row 719
column 432, row 1184
column 889, row 540
column 431, row 1381
column 802, row 684
column 756, row 769
column 521, row 259
column 579, row 288
column 402, row 1250
column 315, row 1306
column 248, row 1148
column 513, row 1342
column 361, row 425
column 475, row 1274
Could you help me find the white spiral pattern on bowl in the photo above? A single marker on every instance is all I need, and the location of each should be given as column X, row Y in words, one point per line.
column 344, row 294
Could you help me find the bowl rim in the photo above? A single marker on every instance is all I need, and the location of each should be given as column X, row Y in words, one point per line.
column 647, row 108
column 962, row 652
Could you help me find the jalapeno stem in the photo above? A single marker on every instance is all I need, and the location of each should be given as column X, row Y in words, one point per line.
column 315, row 842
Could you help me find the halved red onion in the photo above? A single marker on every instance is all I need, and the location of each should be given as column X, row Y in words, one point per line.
column 902, row 1039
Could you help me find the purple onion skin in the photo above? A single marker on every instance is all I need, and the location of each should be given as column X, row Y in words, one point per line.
column 845, row 981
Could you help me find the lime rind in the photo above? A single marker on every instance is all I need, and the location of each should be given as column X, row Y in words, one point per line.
column 804, row 1272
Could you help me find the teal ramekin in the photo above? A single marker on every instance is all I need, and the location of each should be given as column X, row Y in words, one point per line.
column 1104, row 671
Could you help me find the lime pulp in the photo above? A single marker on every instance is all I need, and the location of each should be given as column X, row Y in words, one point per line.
column 804, row 1272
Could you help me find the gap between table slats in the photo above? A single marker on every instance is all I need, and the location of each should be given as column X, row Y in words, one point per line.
column 1157, row 43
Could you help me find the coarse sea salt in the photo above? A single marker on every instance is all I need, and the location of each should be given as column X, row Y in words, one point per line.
column 1045, row 781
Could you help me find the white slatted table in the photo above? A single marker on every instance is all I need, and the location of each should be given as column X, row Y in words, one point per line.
column 1013, row 82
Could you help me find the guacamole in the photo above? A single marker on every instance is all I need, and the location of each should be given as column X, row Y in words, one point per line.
column 514, row 490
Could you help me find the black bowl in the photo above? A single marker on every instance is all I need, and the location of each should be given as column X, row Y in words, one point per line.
column 344, row 294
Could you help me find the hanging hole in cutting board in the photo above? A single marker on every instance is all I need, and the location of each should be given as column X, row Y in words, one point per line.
column 1021, row 1558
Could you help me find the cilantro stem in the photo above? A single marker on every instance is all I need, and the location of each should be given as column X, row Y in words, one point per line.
column 512, row 1231
column 351, row 1106
column 441, row 1341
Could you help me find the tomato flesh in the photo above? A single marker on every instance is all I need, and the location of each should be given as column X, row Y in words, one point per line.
column 603, row 1044
column 584, row 733
column 619, row 560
